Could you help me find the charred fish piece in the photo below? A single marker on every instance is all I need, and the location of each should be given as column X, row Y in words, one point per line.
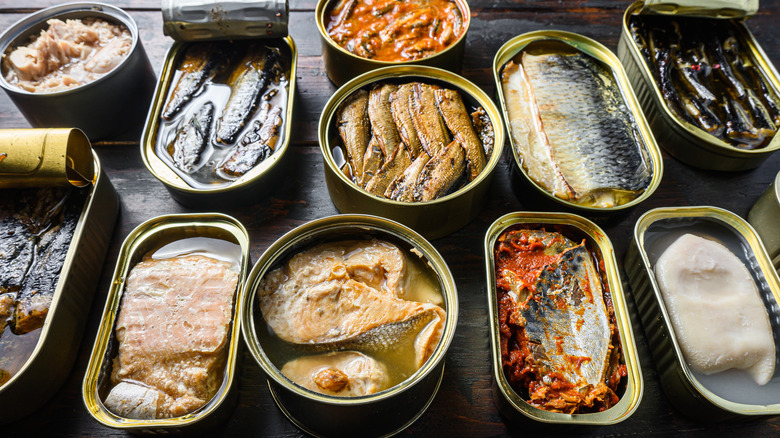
column 372, row 162
column 355, row 130
column 256, row 145
column 402, row 188
column 381, row 117
column 394, row 166
column 200, row 63
column 739, row 129
column 191, row 139
column 484, row 127
column 441, row 173
column 457, row 119
column 427, row 120
column 399, row 105
column 247, row 83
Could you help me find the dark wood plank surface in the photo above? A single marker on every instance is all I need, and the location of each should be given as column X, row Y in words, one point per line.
column 464, row 405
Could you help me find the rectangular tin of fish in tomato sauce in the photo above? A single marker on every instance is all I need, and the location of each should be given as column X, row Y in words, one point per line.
column 684, row 139
column 48, row 158
column 516, row 406
column 217, row 236
column 717, row 397
column 608, row 189
column 181, row 145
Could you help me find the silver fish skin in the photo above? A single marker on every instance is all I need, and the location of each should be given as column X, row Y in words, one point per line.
column 588, row 126
column 394, row 166
column 399, row 105
column 256, row 145
column 381, row 117
column 247, row 83
column 458, row 120
column 191, row 139
column 441, row 173
column 355, row 130
column 200, row 63
column 427, row 120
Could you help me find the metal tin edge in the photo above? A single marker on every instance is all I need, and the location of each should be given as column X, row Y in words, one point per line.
column 630, row 400
column 360, row 223
column 763, row 216
column 627, row 48
column 351, row 190
column 598, row 51
column 72, row 299
column 677, row 380
column 173, row 227
column 168, row 177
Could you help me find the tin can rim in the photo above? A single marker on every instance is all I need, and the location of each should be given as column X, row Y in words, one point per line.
column 411, row 71
column 323, row 226
column 322, row 6
column 632, row 397
column 602, row 54
column 100, row 10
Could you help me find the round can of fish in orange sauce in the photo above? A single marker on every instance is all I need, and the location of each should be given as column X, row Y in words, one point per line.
column 324, row 257
column 343, row 63
column 106, row 105
column 469, row 119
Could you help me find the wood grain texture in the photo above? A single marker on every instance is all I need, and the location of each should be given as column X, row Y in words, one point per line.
column 464, row 405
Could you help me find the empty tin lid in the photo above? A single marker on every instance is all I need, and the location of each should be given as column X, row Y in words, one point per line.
column 702, row 8
column 45, row 157
column 200, row 20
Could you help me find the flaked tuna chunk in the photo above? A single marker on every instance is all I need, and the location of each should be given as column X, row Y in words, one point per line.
column 172, row 330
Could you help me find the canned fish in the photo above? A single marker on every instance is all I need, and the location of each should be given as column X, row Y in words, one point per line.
column 168, row 267
column 570, row 254
column 678, row 263
column 200, row 20
column 764, row 217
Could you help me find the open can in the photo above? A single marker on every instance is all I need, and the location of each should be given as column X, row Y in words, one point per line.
column 683, row 139
column 709, row 398
column 382, row 413
column 34, row 365
column 764, row 216
column 153, row 235
column 562, row 42
column 629, row 390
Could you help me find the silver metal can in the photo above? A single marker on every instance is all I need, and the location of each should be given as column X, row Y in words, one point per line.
column 198, row 20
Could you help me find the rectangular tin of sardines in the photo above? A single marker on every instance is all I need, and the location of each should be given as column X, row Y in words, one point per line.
column 708, row 296
column 562, row 343
column 218, row 129
column 711, row 105
column 165, row 355
column 577, row 132
column 54, row 243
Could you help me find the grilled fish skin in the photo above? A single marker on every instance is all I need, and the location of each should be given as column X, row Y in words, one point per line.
column 256, row 145
column 247, row 83
column 355, row 130
column 426, row 118
column 394, row 166
column 372, row 161
column 457, row 119
column 589, row 128
column 191, row 139
column 484, row 127
column 441, row 173
column 381, row 117
column 402, row 188
column 200, row 63
column 400, row 110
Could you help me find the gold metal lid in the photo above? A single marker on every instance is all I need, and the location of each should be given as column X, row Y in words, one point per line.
column 702, row 8
column 45, row 157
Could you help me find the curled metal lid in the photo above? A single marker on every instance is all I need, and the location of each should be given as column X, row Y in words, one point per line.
column 702, row 8
column 200, row 20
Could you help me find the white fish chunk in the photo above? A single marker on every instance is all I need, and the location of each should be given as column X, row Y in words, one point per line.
column 343, row 373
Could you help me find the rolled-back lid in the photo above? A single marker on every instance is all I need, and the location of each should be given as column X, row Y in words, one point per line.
column 201, row 20
column 702, row 8
column 45, row 157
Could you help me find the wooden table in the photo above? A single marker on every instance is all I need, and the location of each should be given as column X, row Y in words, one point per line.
column 464, row 405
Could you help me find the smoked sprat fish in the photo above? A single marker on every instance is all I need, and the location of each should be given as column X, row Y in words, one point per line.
column 405, row 132
column 199, row 65
column 559, row 343
column 581, row 145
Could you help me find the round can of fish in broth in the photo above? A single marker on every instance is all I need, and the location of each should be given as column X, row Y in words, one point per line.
column 359, row 110
column 342, row 64
column 107, row 105
column 199, row 20
column 386, row 400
